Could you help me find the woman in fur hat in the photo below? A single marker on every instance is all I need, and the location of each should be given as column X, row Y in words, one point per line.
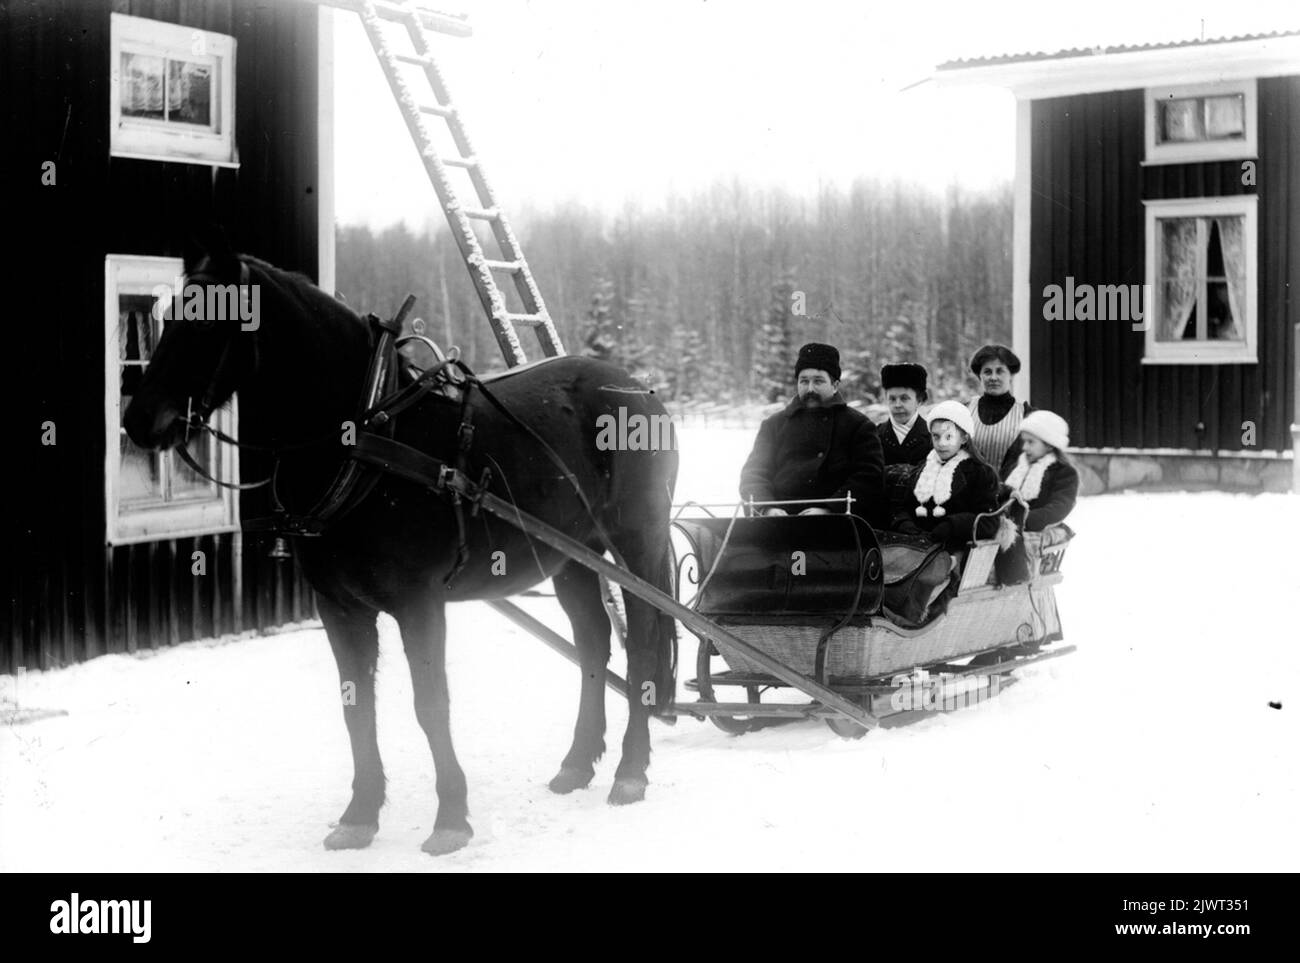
column 1042, row 476
column 905, row 436
column 996, row 412
column 952, row 486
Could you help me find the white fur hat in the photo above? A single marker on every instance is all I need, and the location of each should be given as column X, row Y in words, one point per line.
column 955, row 412
column 1048, row 426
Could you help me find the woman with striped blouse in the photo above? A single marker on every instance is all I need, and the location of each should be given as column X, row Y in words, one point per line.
column 996, row 413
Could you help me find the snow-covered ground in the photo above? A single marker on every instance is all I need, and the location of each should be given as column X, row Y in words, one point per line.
column 1153, row 747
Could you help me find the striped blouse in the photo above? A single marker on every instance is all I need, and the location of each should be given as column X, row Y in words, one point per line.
column 992, row 441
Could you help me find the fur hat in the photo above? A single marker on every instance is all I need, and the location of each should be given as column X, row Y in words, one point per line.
column 1048, row 426
column 955, row 412
column 822, row 357
column 904, row 375
column 999, row 351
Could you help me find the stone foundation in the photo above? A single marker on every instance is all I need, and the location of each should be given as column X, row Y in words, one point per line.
column 1115, row 469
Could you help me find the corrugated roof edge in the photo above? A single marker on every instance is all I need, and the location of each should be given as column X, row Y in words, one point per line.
column 1079, row 52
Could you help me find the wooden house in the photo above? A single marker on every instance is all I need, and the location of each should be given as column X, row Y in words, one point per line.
column 134, row 120
column 1157, row 254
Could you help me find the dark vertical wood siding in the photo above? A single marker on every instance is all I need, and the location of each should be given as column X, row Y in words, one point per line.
column 67, row 596
column 1087, row 222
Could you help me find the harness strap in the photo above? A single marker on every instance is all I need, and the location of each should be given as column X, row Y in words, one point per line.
column 184, row 454
column 413, row 465
column 464, row 442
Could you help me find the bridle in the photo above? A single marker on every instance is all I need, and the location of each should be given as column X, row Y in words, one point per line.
column 196, row 419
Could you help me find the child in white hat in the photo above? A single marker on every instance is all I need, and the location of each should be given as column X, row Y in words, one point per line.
column 1043, row 476
column 953, row 485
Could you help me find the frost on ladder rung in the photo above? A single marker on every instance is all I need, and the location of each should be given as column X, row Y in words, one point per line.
column 466, row 162
column 529, row 320
column 503, row 265
column 481, row 213
column 419, row 60
column 438, row 110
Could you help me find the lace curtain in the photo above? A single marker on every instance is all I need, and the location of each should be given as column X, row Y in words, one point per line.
column 142, row 85
column 1183, row 269
column 1180, row 256
column 1232, row 237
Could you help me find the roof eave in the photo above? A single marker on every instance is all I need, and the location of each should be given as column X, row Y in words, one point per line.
column 1061, row 76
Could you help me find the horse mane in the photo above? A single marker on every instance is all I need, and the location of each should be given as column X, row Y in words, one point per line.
column 303, row 292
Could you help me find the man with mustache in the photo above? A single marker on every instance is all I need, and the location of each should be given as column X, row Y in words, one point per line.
column 817, row 447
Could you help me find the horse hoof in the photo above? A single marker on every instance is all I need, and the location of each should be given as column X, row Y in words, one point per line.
column 350, row 836
column 567, row 780
column 627, row 791
column 444, row 841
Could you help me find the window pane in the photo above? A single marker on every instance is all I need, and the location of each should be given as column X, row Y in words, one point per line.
column 1181, row 121
column 1227, row 298
column 141, row 86
column 1221, row 324
column 186, row 483
column 1225, row 117
column 138, row 480
column 189, row 92
column 1178, row 278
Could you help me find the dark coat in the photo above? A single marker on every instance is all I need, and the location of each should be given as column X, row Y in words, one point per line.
column 912, row 450
column 974, row 491
column 1055, row 499
column 818, row 453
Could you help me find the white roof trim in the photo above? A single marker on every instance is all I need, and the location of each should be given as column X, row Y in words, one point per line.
column 1198, row 63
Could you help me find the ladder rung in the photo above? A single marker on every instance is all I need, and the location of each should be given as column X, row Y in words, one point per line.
column 526, row 319
column 503, row 265
column 438, row 110
column 466, row 162
column 420, row 60
column 481, row 213
column 448, row 23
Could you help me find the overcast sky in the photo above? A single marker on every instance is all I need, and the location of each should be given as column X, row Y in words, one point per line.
column 605, row 102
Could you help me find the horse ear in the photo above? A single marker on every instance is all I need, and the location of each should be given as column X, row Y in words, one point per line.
column 210, row 241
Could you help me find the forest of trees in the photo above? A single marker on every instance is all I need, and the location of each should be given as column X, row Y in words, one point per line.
column 710, row 297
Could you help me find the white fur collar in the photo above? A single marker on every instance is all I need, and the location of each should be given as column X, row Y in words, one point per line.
column 1027, row 477
column 935, row 481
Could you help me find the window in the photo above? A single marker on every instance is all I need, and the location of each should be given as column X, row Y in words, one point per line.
column 1202, row 278
column 171, row 93
column 151, row 494
column 1202, row 123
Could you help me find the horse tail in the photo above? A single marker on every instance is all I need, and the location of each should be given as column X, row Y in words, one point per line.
column 665, row 642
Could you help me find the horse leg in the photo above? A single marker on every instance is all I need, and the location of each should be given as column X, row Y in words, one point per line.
column 355, row 640
column 578, row 590
column 651, row 658
column 423, row 621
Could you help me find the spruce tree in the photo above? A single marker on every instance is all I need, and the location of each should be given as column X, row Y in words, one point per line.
column 600, row 336
column 773, row 354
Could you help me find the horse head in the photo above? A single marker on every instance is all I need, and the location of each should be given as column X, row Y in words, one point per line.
column 209, row 346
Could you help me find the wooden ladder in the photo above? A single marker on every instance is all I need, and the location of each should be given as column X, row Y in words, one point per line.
column 483, row 269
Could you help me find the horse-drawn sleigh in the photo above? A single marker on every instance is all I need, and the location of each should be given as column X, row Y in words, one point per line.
column 407, row 489
column 879, row 619
column 403, row 488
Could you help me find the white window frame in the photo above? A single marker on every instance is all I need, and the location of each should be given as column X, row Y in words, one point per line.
column 159, row 140
column 1210, row 150
column 1202, row 352
column 132, row 274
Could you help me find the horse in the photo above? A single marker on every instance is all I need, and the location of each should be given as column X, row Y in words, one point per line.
column 299, row 370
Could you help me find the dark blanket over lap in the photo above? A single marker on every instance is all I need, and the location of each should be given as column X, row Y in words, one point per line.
column 787, row 566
